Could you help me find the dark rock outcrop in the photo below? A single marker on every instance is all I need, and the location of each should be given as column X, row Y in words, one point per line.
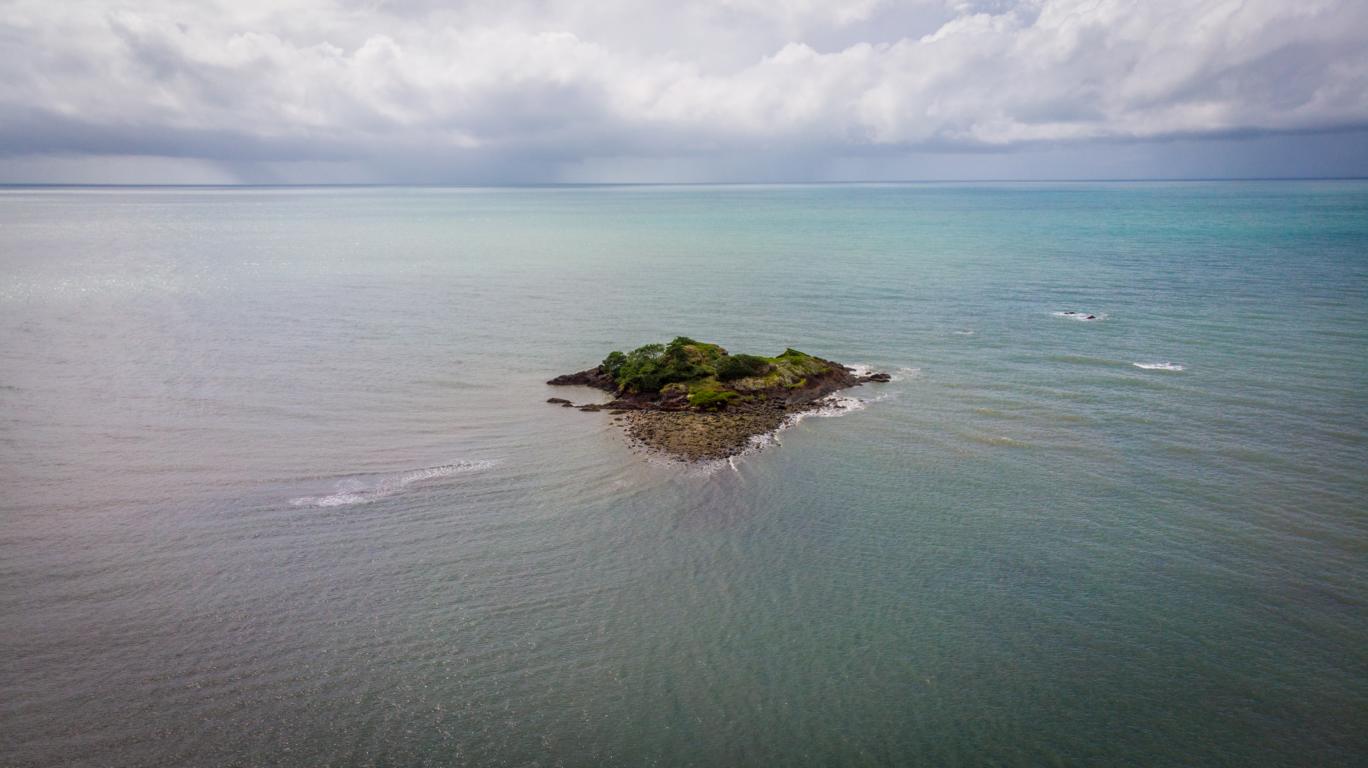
column 593, row 377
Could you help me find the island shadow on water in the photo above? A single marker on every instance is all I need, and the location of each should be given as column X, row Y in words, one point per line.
column 694, row 401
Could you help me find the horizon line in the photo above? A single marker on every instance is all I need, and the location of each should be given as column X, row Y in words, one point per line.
column 562, row 184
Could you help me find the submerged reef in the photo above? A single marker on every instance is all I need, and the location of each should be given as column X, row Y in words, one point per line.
column 695, row 401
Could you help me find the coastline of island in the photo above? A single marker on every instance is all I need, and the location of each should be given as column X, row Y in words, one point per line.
column 694, row 401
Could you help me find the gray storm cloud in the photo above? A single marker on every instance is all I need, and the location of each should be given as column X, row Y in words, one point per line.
column 534, row 90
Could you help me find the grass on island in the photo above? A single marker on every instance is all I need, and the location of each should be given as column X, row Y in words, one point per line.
column 708, row 376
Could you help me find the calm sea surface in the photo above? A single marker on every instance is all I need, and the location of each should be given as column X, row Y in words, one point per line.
column 278, row 485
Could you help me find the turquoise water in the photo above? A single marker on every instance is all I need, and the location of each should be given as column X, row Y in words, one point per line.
column 279, row 486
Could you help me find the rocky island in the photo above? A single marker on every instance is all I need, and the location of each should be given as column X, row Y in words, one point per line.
column 695, row 401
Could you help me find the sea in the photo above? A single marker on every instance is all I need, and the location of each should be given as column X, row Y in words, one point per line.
column 279, row 485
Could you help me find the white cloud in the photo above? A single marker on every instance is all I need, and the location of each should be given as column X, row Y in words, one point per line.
column 520, row 85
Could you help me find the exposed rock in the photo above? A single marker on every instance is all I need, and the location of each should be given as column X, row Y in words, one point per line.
column 592, row 377
column 695, row 436
column 558, row 400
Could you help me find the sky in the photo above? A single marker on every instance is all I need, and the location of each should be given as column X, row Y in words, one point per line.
column 586, row 91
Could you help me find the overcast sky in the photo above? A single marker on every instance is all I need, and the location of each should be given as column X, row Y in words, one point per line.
column 514, row 91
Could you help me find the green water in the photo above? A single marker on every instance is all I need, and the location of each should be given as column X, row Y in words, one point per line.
column 279, row 486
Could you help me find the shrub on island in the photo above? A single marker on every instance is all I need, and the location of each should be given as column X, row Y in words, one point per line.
column 742, row 366
column 706, row 374
column 650, row 367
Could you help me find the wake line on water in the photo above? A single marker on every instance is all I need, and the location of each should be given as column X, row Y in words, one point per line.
column 365, row 489
column 1107, row 362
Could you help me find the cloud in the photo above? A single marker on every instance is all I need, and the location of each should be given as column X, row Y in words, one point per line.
column 524, row 90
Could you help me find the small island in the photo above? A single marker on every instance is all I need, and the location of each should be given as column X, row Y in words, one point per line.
column 694, row 401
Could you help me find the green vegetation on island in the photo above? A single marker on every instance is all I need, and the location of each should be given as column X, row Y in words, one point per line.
column 705, row 374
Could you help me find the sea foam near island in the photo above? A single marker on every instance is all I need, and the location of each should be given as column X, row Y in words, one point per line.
column 830, row 407
column 840, row 405
column 903, row 373
column 364, row 489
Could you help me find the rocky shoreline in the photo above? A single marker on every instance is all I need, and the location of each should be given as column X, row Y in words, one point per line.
column 677, row 421
column 700, row 436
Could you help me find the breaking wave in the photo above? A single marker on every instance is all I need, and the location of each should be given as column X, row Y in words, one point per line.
column 837, row 405
column 829, row 407
column 364, row 489
column 1159, row 366
column 906, row 372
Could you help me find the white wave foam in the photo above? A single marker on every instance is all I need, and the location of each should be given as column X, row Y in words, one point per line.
column 963, row 332
column 837, row 405
column 1083, row 316
column 762, row 441
column 701, row 468
column 366, row 489
column 906, row 372
column 1159, row 366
